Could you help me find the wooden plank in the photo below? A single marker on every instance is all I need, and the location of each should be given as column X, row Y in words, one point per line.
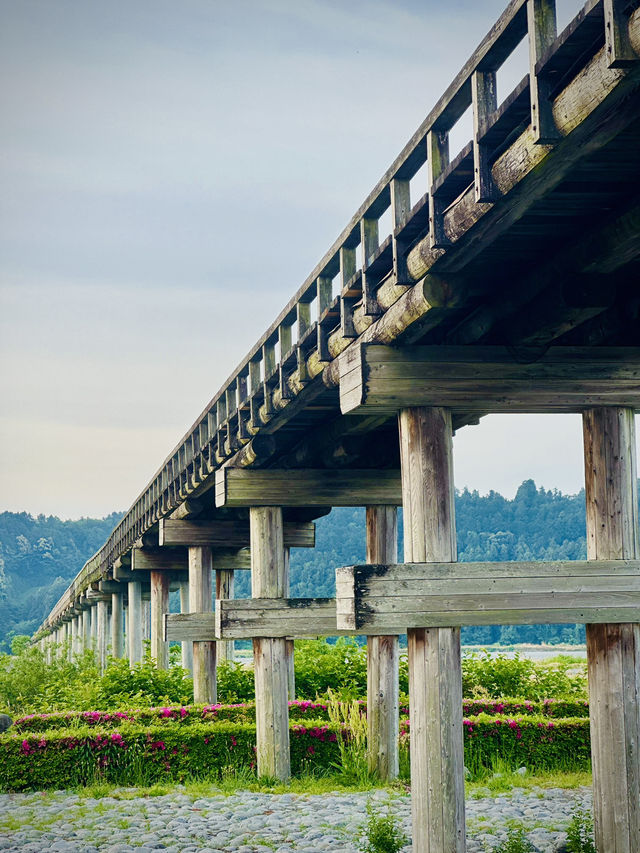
column 158, row 560
column 613, row 651
column 229, row 533
column 487, row 379
column 383, row 704
column 308, row 487
column 201, row 601
column 435, row 675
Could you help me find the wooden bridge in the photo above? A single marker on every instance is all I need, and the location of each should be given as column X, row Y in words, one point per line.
column 510, row 282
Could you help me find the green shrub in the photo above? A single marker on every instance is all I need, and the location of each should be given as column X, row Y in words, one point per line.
column 535, row 742
column 497, row 675
column 580, row 832
column 548, row 708
column 143, row 683
column 235, row 682
column 516, row 843
column 381, row 833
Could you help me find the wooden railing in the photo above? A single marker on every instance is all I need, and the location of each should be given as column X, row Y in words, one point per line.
column 365, row 271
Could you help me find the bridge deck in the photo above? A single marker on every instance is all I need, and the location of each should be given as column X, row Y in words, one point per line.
column 530, row 236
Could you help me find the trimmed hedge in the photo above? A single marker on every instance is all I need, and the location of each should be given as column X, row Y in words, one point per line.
column 536, row 742
column 298, row 710
column 244, row 712
column 138, row 755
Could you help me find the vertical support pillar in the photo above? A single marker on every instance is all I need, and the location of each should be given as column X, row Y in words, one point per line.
column 86, row 628
column 268, row 580
column 613, row 651
column 117, row 633
column 187, row 645
column 435, row 674
column 145, row 609
column 74, row 635
column 94, row 626
column 102, row 631
column 224, row 590
column 201, row 601
column 288, row 643
column 134, row 625
column 159, row 606
column 383, row 714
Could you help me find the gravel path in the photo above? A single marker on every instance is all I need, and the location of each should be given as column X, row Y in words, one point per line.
column 248, row 822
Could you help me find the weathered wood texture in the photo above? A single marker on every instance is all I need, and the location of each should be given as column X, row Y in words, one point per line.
column 102, row 637
column 225, row 583
column 230, row 534
column 487, row 379
column 159, row 606
column 201, row 601
column 307, row 487
column 269, row 579
column 509, row 593
column 383, row 705
column 186, row 645
column 134, row 622
column 435, row 672
column 117, row 628
column 613, row 651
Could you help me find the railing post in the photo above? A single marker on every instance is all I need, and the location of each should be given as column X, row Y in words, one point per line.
column 382, row 656
column 613, row 651
column 435, row 676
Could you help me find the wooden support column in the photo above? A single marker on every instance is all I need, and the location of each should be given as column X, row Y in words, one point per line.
column 187, row 645
column 289, row 644
column 224, row 590
column 86, row 628
column 268, row 580
column 613, row 651
column 102, row 614
column 200, row 601
column 159, row 606
column 146, row 617
column 435, row 675
column 134, row 622
column 117, row 632
column 94, row 625
column 383, row 712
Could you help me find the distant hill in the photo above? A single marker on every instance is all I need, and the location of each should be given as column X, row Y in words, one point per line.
column 39, row 556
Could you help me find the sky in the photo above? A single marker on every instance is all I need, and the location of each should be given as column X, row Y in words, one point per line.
column 171, row 173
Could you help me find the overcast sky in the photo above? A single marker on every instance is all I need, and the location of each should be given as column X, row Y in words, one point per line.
column 171, row 172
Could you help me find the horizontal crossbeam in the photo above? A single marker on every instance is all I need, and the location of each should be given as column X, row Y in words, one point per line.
column 237, row 487
column 423, row 595
column 170, row 560
column 232, row 534
column 488, row 379
column 239, row 619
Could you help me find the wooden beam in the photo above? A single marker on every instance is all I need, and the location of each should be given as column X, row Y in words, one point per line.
column 200, row 601
column 488, row 379
column 159, row 606
column 158, row 560
column 613, row 651
column 232, row 534
column 307, row 487
column 269, row 580
column 435, row 672
column 409, row 595
column 383, row 703
column 243, row 618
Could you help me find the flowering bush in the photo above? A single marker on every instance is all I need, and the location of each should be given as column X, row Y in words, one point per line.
column 244, row 712
column 137, row 755
column 535, row 741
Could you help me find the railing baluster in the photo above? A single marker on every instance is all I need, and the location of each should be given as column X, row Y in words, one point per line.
column 437, row 162
column 616, row 31
column 485, row 100
column 541, row 23
column 400, row 209
column 369, row 241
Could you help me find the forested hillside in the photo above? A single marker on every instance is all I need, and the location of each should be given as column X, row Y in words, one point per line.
column 39, row 556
